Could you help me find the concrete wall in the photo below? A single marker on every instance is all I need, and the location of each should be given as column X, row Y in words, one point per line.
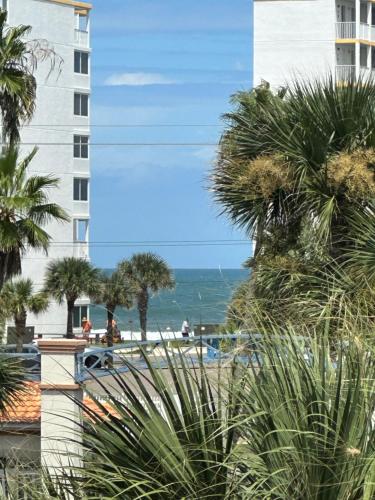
column 293, row 38
column 54, row 122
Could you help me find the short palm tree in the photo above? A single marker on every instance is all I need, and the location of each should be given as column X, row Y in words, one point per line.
column 68, row 279
column 17, row 298
column 24, row 211
column 149, row 273
column 114, row 291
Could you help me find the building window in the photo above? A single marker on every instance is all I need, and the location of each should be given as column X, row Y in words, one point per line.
column 4, row 5
column 363, row 56
column 81, row 62
column 82, row 22
column 81, row 190
column 81, row 146
column 81, row 104
column 80, row 228
column 79, row 313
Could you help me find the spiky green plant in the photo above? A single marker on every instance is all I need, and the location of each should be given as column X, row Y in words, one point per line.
column 307, row 418
column 169, row 436
column 11, row 381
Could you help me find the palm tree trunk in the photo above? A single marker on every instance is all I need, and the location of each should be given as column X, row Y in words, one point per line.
column 110, row 312
column 20, row 324
column 142, row 309
column 69, row 326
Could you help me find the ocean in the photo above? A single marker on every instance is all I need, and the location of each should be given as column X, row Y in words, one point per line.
column 201, row 295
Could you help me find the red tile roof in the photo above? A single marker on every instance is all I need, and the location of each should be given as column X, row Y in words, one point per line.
column 26, row 406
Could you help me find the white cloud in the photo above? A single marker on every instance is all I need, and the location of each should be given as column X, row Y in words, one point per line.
column 138, row 79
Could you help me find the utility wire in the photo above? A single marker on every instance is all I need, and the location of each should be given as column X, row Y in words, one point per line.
column 118, row 144
column 123, row 125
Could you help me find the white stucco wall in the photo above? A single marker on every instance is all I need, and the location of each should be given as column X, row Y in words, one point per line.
column 293, row 38
column 54, row 122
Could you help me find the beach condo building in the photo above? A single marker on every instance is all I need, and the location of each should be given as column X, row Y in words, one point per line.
column 61, row 130
column 309, row 38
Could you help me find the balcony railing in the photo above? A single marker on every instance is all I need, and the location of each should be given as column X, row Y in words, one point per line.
column 365, row 31
column 81, row 250
column 345, row 72
column 345, row 30
column 81, row 38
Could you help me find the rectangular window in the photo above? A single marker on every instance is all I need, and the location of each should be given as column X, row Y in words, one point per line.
column 363, row 56
column 82, row 22
column 81, row 190
column 81, row 146
column 4, row 4
column 79, row 313
column 363, row 13
column 80, row 230
column 81, row 104
column 81, row 62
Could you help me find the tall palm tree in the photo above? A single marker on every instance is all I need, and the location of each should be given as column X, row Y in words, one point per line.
column 304, row 160
column 68, row 279
column 149, row 273
column 16, row 300
column 114, row 291
column 24, row 210
column 18, row 61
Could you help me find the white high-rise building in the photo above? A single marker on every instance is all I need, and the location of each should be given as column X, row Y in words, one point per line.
column 61, row 130
column 309, row 38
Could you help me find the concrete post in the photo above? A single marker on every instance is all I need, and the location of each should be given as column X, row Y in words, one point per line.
column 60, row 414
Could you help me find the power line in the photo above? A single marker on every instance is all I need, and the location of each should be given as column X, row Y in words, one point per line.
column 124, row 125
column 118, row 144
column 165, row 241
column 141, row 245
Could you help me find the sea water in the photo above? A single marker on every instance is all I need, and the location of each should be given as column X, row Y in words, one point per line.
column 200, row 295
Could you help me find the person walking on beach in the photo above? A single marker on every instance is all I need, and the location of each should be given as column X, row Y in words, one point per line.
column 185, row 329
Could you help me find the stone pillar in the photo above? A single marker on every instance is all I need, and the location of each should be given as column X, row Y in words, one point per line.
column 60, row 414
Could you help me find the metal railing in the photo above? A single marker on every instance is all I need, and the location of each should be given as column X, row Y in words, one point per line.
column 81, row 249
column 30, row 362
column 345, row 72
column 207, row 349
column 81, row 38
column 345, row 30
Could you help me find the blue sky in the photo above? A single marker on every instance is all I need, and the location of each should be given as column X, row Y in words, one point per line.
column 164, row 62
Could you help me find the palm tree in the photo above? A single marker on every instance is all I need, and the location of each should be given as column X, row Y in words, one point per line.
column 68, row 279
column 24, row 210
column 11, row 382
column 148, row 273
column 16, row 300
column 114, row 291
column 18, row 61
column 304, row 160
column 294, row 171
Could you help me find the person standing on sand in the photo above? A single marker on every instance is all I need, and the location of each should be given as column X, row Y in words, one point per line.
column 86, row 328
column 185, row 329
